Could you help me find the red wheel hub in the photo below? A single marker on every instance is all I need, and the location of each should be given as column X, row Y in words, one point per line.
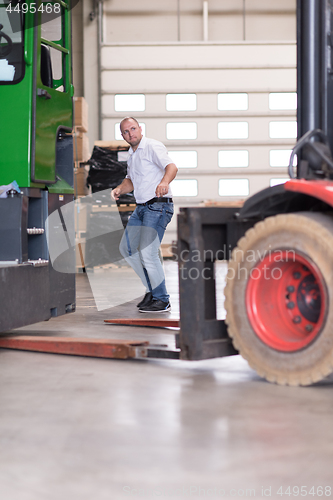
column 286, row 300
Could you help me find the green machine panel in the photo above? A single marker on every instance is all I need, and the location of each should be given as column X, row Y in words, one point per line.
column 36, row 92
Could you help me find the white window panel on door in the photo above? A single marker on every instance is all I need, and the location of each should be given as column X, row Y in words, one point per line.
column 230, row 159
column 281, row 157
column 129, row 102
column 184, row 159
column 234, row 187
column 181, row 131
column 51, row 27
column 184, row 187
column 232, row 102
column 57, row 65
column 181, row 102
column 282, row 100
column 283, row 130
column 233, row 130
column 276, row 182
column 118, row 135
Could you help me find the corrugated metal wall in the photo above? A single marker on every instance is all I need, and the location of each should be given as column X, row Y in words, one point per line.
column 141, row 54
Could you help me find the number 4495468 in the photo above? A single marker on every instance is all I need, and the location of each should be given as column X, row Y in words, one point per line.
column 49, row 8
column 303, row 491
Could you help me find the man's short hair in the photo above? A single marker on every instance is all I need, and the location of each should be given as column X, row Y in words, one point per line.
column 128, row 118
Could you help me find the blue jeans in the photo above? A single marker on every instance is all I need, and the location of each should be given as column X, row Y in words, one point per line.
column 140, row 245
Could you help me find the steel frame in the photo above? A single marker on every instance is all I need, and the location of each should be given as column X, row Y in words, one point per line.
column 204, row 235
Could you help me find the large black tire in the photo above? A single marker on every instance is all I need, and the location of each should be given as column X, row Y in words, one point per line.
column 281, row 323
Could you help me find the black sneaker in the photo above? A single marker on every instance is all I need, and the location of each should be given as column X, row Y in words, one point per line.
column 156, row 306
column 146, row 300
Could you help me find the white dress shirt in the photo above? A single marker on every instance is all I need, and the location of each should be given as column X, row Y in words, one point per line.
column 146, row 168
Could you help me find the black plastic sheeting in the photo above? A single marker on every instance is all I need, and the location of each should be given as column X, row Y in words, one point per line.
column 106, row 172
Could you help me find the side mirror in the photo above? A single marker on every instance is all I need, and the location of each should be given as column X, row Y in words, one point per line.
column 46, row 66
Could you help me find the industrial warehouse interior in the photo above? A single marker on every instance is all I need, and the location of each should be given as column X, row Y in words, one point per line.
column 99, row 401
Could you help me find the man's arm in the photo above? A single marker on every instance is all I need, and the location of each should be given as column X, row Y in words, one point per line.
column 170, row 173
column 125, row 187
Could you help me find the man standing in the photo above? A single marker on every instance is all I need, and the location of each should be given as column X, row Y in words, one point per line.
column 149, row 172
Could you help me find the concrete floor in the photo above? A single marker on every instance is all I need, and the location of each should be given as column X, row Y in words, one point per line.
column 94, row 429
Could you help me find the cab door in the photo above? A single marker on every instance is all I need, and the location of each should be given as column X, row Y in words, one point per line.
column 53, row 89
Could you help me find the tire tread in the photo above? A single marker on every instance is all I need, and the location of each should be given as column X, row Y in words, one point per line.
column 322, row 226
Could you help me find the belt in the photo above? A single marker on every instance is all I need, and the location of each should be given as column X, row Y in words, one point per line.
column 157, row 200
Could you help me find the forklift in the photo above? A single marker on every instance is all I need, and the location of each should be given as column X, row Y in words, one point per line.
column 36, row 161
column 279, row 245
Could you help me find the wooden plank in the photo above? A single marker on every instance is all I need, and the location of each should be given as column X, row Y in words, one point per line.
column 113, row 208
column 225, row 204
column 113, row 145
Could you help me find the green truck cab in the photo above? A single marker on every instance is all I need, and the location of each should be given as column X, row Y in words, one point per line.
column 36, row 102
